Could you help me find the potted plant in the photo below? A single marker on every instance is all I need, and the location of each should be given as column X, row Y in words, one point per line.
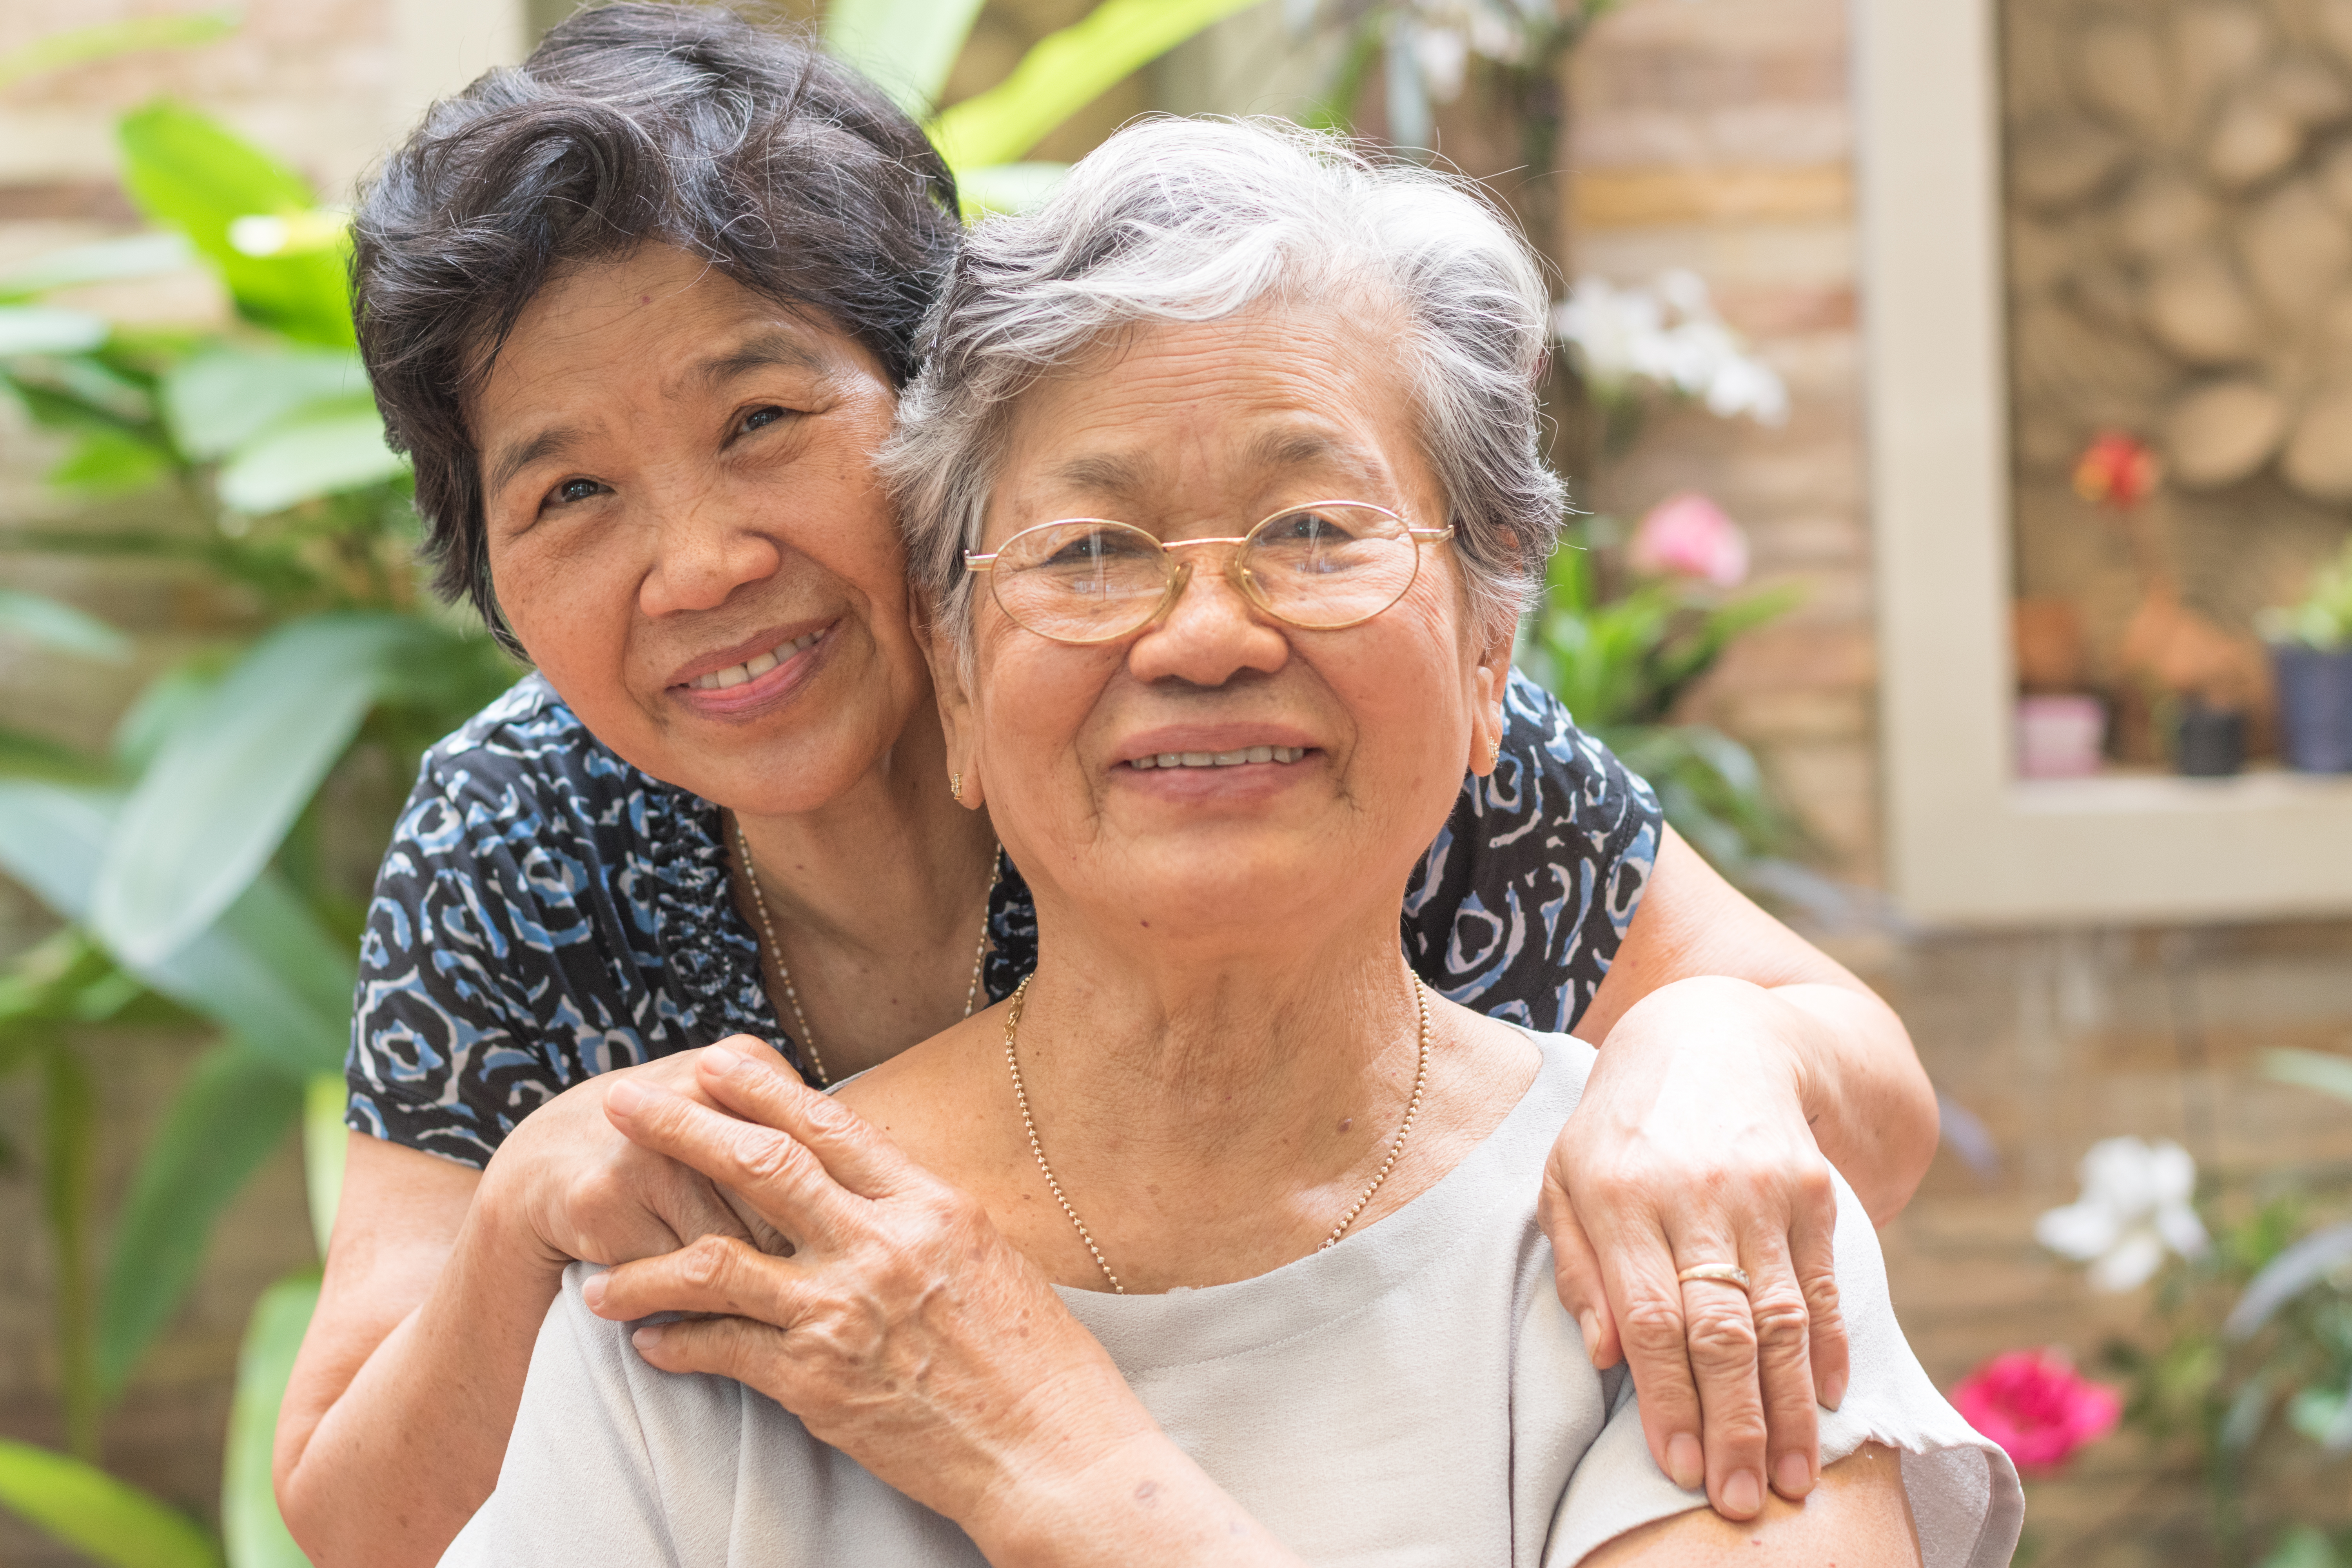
column 2311, row 648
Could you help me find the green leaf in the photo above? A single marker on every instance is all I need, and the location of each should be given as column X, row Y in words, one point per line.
column 189, row 172
column 80, row 46
column 102, row 261
column 906, row 47
column 1007, row 187
column 60, row 627
column 213, row 805
column 162, row 706
column 2323, row 1070
column 264, row 971
column 256, row 1536
column 110, row 463
column 325, row 1140
column 229, row 1117
column 1064, row 72
column 220, row 397
column 89, row 1511
column 68, row 1171
column 320, row 450
column 45, row 330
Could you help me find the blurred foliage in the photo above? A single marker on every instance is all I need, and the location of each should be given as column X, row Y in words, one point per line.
column 2241, row 1382
column 1620, row 650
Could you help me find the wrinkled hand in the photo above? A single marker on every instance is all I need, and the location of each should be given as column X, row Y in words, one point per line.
column 581, row 1190
column 903, row 1329
column 1691, row 1146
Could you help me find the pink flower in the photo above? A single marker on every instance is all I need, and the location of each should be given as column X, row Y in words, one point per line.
column 2036, row 1406
column 1687, row 535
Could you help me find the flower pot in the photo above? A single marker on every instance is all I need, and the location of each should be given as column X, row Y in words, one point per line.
column 2058, row 737
column 2210, row 743
column 2315, row 693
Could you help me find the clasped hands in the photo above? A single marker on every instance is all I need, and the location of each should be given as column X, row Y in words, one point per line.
column 822, row 1267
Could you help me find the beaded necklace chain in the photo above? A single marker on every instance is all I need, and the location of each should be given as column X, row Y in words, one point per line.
column 1029, row 1125
column 783, row 971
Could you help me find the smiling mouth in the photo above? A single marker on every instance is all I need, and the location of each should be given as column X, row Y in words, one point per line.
column 1284, row 754
column 757, row 665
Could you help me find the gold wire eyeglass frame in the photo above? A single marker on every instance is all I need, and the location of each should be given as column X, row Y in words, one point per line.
column 1179, row 574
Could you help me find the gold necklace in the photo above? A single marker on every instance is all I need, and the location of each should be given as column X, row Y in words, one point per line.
column 1021, row 1098
column 783, row 971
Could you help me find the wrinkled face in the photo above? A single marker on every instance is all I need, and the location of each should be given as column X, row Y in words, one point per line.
column 1200, row 431
column 686, row 533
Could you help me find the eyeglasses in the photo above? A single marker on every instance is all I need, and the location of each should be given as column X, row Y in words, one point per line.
column 1324, row 566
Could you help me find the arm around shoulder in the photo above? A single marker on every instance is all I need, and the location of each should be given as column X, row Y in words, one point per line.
column 1858, row 1516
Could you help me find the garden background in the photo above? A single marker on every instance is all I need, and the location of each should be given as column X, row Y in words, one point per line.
column 1714, row 135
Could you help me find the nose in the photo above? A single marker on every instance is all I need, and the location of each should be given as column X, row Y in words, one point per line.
column 706, row 544
column 1210, row 633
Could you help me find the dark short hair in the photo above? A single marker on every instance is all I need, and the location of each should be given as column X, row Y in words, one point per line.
column 634, row 122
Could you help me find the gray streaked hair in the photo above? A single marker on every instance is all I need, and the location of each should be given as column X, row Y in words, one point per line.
column 1199, row 220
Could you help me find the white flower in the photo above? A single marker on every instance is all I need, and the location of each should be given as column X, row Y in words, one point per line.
column 2135, row 1206
column 1667, row 338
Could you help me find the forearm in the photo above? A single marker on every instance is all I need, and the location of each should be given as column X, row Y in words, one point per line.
column 385, row 1470
column 1866, row 1097
column 1140, row 1502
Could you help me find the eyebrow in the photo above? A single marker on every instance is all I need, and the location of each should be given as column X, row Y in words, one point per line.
column 761, row 351
column 547, row 443
column 769, row 350
column 1125, row 476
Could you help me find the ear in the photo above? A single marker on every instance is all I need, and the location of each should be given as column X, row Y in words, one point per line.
column 1490, row 674
column 954, row 698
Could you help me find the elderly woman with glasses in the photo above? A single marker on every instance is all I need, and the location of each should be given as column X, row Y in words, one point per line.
column 1221, row 542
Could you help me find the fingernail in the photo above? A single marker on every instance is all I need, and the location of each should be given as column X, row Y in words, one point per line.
column 625, row 1097
column 1743, row 1494
column 592, row 1290
column 1796, row 1474
column 1589, row 1323
column 1685, row 1462
column 647, row 1338
column 1833, row 1389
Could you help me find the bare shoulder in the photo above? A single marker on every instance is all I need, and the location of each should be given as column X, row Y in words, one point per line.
column 1858, row 1517
column 933, row 1100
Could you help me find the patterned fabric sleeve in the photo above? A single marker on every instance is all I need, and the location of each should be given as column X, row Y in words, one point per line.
column 1520, row 904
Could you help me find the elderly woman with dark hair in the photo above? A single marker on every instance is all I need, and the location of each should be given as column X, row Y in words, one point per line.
column 641, row 311
column 1222, row 499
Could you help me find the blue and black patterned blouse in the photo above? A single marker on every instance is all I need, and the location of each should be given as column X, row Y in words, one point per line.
column 546, row 912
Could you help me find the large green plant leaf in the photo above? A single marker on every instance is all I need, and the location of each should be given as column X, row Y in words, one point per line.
column 907, row 47
column 110, row 1520
column 325, row 1141
column 110, row 463
column 102, row 261
column 256, row 1536
column 1006, row 187
column 190, row 173
column 60, row 627
column 107, row 39
column 320, row 450
column 223, row 395
column 2324, row 1070
column 265, row 969
column 231, row 1115
column 213, row 805
column 1064, row 72
column 45, row 330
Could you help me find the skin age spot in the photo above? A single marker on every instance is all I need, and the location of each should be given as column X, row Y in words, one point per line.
column 1346, row 1122
column 1147, row 1491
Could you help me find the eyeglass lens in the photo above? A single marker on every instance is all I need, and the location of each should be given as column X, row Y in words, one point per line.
column 1320, row 567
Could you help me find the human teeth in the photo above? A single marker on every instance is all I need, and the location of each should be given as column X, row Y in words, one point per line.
column 757, row 665
column 1219, row 759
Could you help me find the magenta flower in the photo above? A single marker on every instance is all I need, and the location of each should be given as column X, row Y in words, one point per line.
column 1687, row 535
column 2036, row 1406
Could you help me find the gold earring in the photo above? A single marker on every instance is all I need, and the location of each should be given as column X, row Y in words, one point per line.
column 1495, row 757
column 955, row 788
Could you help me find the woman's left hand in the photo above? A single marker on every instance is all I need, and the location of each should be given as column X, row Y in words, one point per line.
column 1691, row 1146
column 905, row 1331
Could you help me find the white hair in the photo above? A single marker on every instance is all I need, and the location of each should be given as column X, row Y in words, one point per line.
column 1199, row 220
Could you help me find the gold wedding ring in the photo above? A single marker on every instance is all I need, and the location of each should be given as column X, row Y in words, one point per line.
column 1729, row 1273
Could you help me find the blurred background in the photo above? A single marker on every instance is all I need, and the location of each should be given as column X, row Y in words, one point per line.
column 1959, row 405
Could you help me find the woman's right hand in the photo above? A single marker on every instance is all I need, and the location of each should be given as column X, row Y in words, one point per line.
column 572, row 1184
